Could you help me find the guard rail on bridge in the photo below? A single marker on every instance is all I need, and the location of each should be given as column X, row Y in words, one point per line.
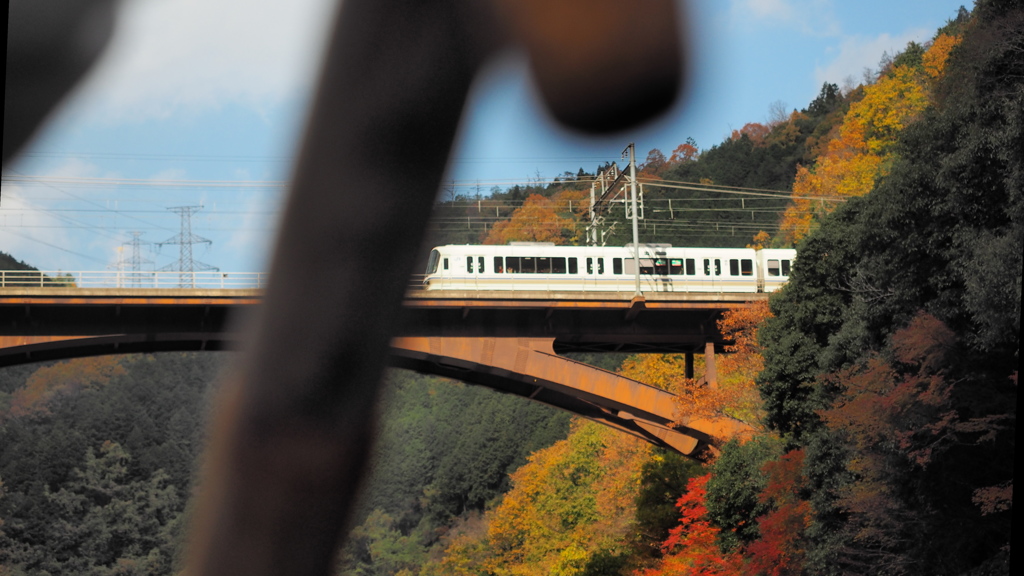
column 132, row 279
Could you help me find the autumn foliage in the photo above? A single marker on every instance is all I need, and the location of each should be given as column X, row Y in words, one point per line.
column 50, row 382
column 898, row 415
column 780, row 549
column 692, row 548
column 541, row 219
column 862, row 150
column 571, row 503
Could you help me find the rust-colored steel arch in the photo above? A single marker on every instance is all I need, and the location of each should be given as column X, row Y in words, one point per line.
column 529, row 367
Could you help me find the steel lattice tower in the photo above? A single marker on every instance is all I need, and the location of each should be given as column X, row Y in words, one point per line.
column 185, row 264
column 133, row 263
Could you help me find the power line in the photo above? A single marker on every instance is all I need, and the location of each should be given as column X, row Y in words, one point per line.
column 27, row 237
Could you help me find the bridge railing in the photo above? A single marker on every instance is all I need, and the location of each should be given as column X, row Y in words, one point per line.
column 131, row 279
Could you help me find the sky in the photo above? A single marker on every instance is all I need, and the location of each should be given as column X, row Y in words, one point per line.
column 201, row 103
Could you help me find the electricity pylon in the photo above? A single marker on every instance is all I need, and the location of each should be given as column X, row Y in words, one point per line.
column 185, row 264
column 133, row 263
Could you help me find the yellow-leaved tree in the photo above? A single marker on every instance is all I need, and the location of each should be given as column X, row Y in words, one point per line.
column 542, row 219
column 862, row 151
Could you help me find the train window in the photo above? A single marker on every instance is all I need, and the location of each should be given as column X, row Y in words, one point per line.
column 739, row 267
column 590, row 265
column 512, row 264
column 498, row 268
column 558, row 265
column 544, row 265
column 469, row 264
column 675, row 266
column 691, row 267
column 707, row 267
column 773, row 268
column 660, row 266
column 600, row 265
column 445, row 263
column 435, row 257
column 573, row 267
column 479, row 263
column 785, row 267
column 528, row 265
column 616, row 265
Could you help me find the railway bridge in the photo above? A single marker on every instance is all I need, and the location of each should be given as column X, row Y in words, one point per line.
column 508, row 341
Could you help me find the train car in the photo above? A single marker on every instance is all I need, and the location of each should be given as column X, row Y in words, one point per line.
column 537, row 266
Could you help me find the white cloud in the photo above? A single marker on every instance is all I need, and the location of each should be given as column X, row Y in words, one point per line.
column 815, row 18
column 770, row 8
column 170, row 56
column 856, row 53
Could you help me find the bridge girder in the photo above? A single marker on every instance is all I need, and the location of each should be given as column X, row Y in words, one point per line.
column 508, row 344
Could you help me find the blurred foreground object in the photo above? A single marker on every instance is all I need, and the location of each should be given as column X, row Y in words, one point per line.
column 293, row 427
column 50, row 45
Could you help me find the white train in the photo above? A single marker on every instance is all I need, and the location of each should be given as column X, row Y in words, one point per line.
column 536, row 266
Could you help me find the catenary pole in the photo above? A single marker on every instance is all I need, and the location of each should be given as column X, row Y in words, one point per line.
column 636, row 228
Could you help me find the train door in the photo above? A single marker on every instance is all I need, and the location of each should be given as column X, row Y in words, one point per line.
column 713, row 274
column 660, row 271
column 593, row 272
column 475, row 270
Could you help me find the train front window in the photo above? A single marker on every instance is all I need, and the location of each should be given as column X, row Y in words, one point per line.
column 432, row 261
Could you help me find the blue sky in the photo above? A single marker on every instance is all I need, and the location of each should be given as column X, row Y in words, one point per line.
column 200, row 102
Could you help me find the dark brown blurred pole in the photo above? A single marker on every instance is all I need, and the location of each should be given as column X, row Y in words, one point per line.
column 293, row 432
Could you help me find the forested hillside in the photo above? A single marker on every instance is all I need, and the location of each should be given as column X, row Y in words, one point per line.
column 887, row 393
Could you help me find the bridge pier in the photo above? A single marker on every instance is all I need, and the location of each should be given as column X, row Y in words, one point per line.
column 710, row 370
